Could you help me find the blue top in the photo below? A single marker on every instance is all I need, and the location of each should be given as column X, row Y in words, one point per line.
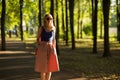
column 47, row 36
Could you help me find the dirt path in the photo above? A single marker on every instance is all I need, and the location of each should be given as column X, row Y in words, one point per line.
column 17, row 63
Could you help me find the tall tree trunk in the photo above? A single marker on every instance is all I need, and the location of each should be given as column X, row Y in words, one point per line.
column 71, row 8
column 106, row 8
column 66, row 10
column 63, row 24
column 94, row 24
column 81, row 21
column 39, row 14
column 118, row 20
column 43, row 7
column 78, row 29
column 101, row 22
column 52, row 8
column 81, row 28
column 3, row 44
column 21, row 19
column 57, row 26
column 101, row 28
column 92, row 14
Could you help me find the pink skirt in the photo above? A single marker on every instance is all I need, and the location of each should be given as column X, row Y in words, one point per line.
column 46, row 59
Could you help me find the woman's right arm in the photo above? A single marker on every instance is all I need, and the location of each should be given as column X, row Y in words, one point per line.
column 39, row 35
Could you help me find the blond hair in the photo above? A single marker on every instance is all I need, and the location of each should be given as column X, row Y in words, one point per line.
column 48, row 23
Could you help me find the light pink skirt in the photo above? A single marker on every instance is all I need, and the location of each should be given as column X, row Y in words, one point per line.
column 46, row 59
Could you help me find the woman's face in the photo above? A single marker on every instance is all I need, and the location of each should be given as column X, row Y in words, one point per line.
column 48, row 20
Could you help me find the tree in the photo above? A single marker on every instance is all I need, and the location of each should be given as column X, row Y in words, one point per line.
column 101, row 21
column 82, row 11
column 3, row 44
column 21, row 19
column 57, row 26
column 39, row 14
column 94, row 24
column 78, row 28
column 63, row 24
column 71, row 8
column 52, row 8
column 66, row 10
column 106, row 8
column 118, row 20
column 43, row 7
column 12, row 15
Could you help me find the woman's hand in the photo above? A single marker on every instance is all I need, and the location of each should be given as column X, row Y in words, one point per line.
column 38, row 40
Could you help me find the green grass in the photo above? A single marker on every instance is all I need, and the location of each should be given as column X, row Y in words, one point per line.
column 83, row 62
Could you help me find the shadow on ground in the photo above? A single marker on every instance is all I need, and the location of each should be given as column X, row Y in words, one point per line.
column 17, row 63
column 21, row 67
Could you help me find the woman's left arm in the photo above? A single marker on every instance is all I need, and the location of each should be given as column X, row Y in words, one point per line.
column 54, row 39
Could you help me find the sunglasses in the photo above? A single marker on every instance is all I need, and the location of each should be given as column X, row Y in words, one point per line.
column 48, row 18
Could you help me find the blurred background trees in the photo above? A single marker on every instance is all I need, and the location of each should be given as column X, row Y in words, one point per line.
column 74, row 20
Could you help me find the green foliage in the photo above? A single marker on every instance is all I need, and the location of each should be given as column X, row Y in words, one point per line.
column 12, row 13
column 87, row 29
column 47, row 4
column 113, row 21
column 30, row 14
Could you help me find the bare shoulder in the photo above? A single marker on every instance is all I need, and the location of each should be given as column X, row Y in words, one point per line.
column 40, row 28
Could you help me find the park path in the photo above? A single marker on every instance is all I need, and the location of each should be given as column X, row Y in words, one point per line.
column 17, row 63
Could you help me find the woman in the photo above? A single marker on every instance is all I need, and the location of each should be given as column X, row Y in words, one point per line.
column 46, row 60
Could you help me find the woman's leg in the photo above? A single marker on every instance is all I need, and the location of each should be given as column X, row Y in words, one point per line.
column 43, row 75
column 48, row 75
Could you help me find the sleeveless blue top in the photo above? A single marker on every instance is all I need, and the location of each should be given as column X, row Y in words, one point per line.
column 47, row 36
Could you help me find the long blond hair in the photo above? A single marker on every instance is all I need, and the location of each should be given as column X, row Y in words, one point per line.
column 48, row 21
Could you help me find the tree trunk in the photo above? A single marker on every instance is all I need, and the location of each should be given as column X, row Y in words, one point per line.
column 78, row 29
column 43, row 7
column 106, row 8
column 52, row 8
column 63, row 24
column 66, row 5
column 92, row 15
column 21, row 19
column 71, row 8
column 101, row 28
column 81, row 21
column 101, row 22
column 118, row 20
column 39, row 14
column 3, row 44
column 94, row 24
column 57, row 30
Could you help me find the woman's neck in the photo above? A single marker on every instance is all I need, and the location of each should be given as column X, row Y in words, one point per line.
column 48, row 29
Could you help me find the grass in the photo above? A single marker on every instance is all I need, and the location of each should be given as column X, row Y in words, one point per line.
column 83, row 62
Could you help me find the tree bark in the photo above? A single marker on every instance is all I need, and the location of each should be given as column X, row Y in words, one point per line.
column 3, row 43
column 21, row 19
column 101, row 28
column 57, row 28
column 66, row 5
column 63, row 24
column 118, row 20
column 94, row 24
column 106, row 8
column 78, row 27
column 52, row 8
column 71, row 8
column 39, row 14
